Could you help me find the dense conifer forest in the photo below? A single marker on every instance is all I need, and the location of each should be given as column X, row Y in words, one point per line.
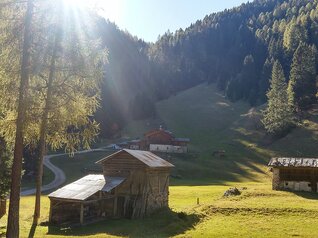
column 235, row 49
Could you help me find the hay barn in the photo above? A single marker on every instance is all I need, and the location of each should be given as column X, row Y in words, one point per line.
column 134, row 184
column 296, row 174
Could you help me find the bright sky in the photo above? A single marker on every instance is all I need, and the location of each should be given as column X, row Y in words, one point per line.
column 149, row 18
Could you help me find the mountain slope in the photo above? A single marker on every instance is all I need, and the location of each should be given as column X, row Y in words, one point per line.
column 234, row 48
column 214, row 123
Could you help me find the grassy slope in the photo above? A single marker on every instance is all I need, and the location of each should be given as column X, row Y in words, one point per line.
column 212, row 123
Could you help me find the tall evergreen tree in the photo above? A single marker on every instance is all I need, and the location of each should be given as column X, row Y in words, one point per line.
column 14, row 207
column 302, row 84
column 265, row 79
column 293, row 35
column 278, row 116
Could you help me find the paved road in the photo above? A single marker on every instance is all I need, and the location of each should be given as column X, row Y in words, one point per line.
column 59, row 175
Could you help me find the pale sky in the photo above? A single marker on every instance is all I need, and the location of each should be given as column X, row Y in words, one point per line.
column 147, row 19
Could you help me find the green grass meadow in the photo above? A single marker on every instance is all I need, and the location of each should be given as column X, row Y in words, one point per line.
column 213, row 123
column 257, row 212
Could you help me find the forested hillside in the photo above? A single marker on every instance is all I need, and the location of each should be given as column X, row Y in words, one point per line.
column 235, row 49
column 126, row 75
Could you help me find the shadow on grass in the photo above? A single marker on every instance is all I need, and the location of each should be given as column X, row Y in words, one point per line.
column 3, row 231
column 307, row 195
column 211, row 171
column 164, row 223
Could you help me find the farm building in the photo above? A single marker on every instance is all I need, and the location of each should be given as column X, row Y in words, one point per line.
column 134, row 144
column 164, row 141
column 133, row 185
column 3, row 207
column 160, row 140
column 297, row 174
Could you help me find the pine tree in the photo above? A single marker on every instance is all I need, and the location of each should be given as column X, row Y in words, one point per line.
column 263, row 84
column 14, row 207
column 302, row 84
column 293, row 35
column 278, row 116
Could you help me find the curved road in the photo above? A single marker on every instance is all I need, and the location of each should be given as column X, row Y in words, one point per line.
column 59, row 175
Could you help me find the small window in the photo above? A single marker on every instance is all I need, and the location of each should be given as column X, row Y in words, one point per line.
column 286, row 184
column 309, row 185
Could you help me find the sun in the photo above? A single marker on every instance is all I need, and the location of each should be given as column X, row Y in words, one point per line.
column 111, row 9
column 77, row 3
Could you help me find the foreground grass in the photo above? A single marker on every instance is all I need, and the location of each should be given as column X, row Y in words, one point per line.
column 257, row 212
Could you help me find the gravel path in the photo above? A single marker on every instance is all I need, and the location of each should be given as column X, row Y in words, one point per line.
column 59, row 175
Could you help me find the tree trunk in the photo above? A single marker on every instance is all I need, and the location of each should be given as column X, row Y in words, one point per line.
column 43, row 129
column 14, row 207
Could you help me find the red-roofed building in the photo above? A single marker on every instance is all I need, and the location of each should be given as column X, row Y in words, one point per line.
column 161, row 140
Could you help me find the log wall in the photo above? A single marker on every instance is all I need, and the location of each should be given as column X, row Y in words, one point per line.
column 64, row 212
column 296, row 179
column 143, row 191
column 122, row 165
column 276, row 179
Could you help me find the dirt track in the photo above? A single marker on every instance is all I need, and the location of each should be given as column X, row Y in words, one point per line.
column 59, row 175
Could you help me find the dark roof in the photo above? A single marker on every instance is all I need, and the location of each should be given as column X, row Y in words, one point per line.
column 293, row 162
column 134, row 141
column 182, row 139
column 123, row 143
column 87, row 186
column 146, row 157
column 112, row 182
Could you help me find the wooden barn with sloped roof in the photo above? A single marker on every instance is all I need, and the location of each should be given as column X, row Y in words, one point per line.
column 296, row 174
column 161, row 140
column 134, row 184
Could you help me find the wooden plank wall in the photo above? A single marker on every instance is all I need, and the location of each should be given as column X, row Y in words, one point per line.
column 122, row 165
column 64, row 212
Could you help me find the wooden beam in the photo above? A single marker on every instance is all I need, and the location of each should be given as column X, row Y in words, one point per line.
column 82, row 214
column 82, row 201
column 50, row 214
column 115, row 203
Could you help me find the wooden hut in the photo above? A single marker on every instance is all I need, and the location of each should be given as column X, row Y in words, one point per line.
column 134, row 184
column 296, row 174
column 160, row 140
column 3, row 207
